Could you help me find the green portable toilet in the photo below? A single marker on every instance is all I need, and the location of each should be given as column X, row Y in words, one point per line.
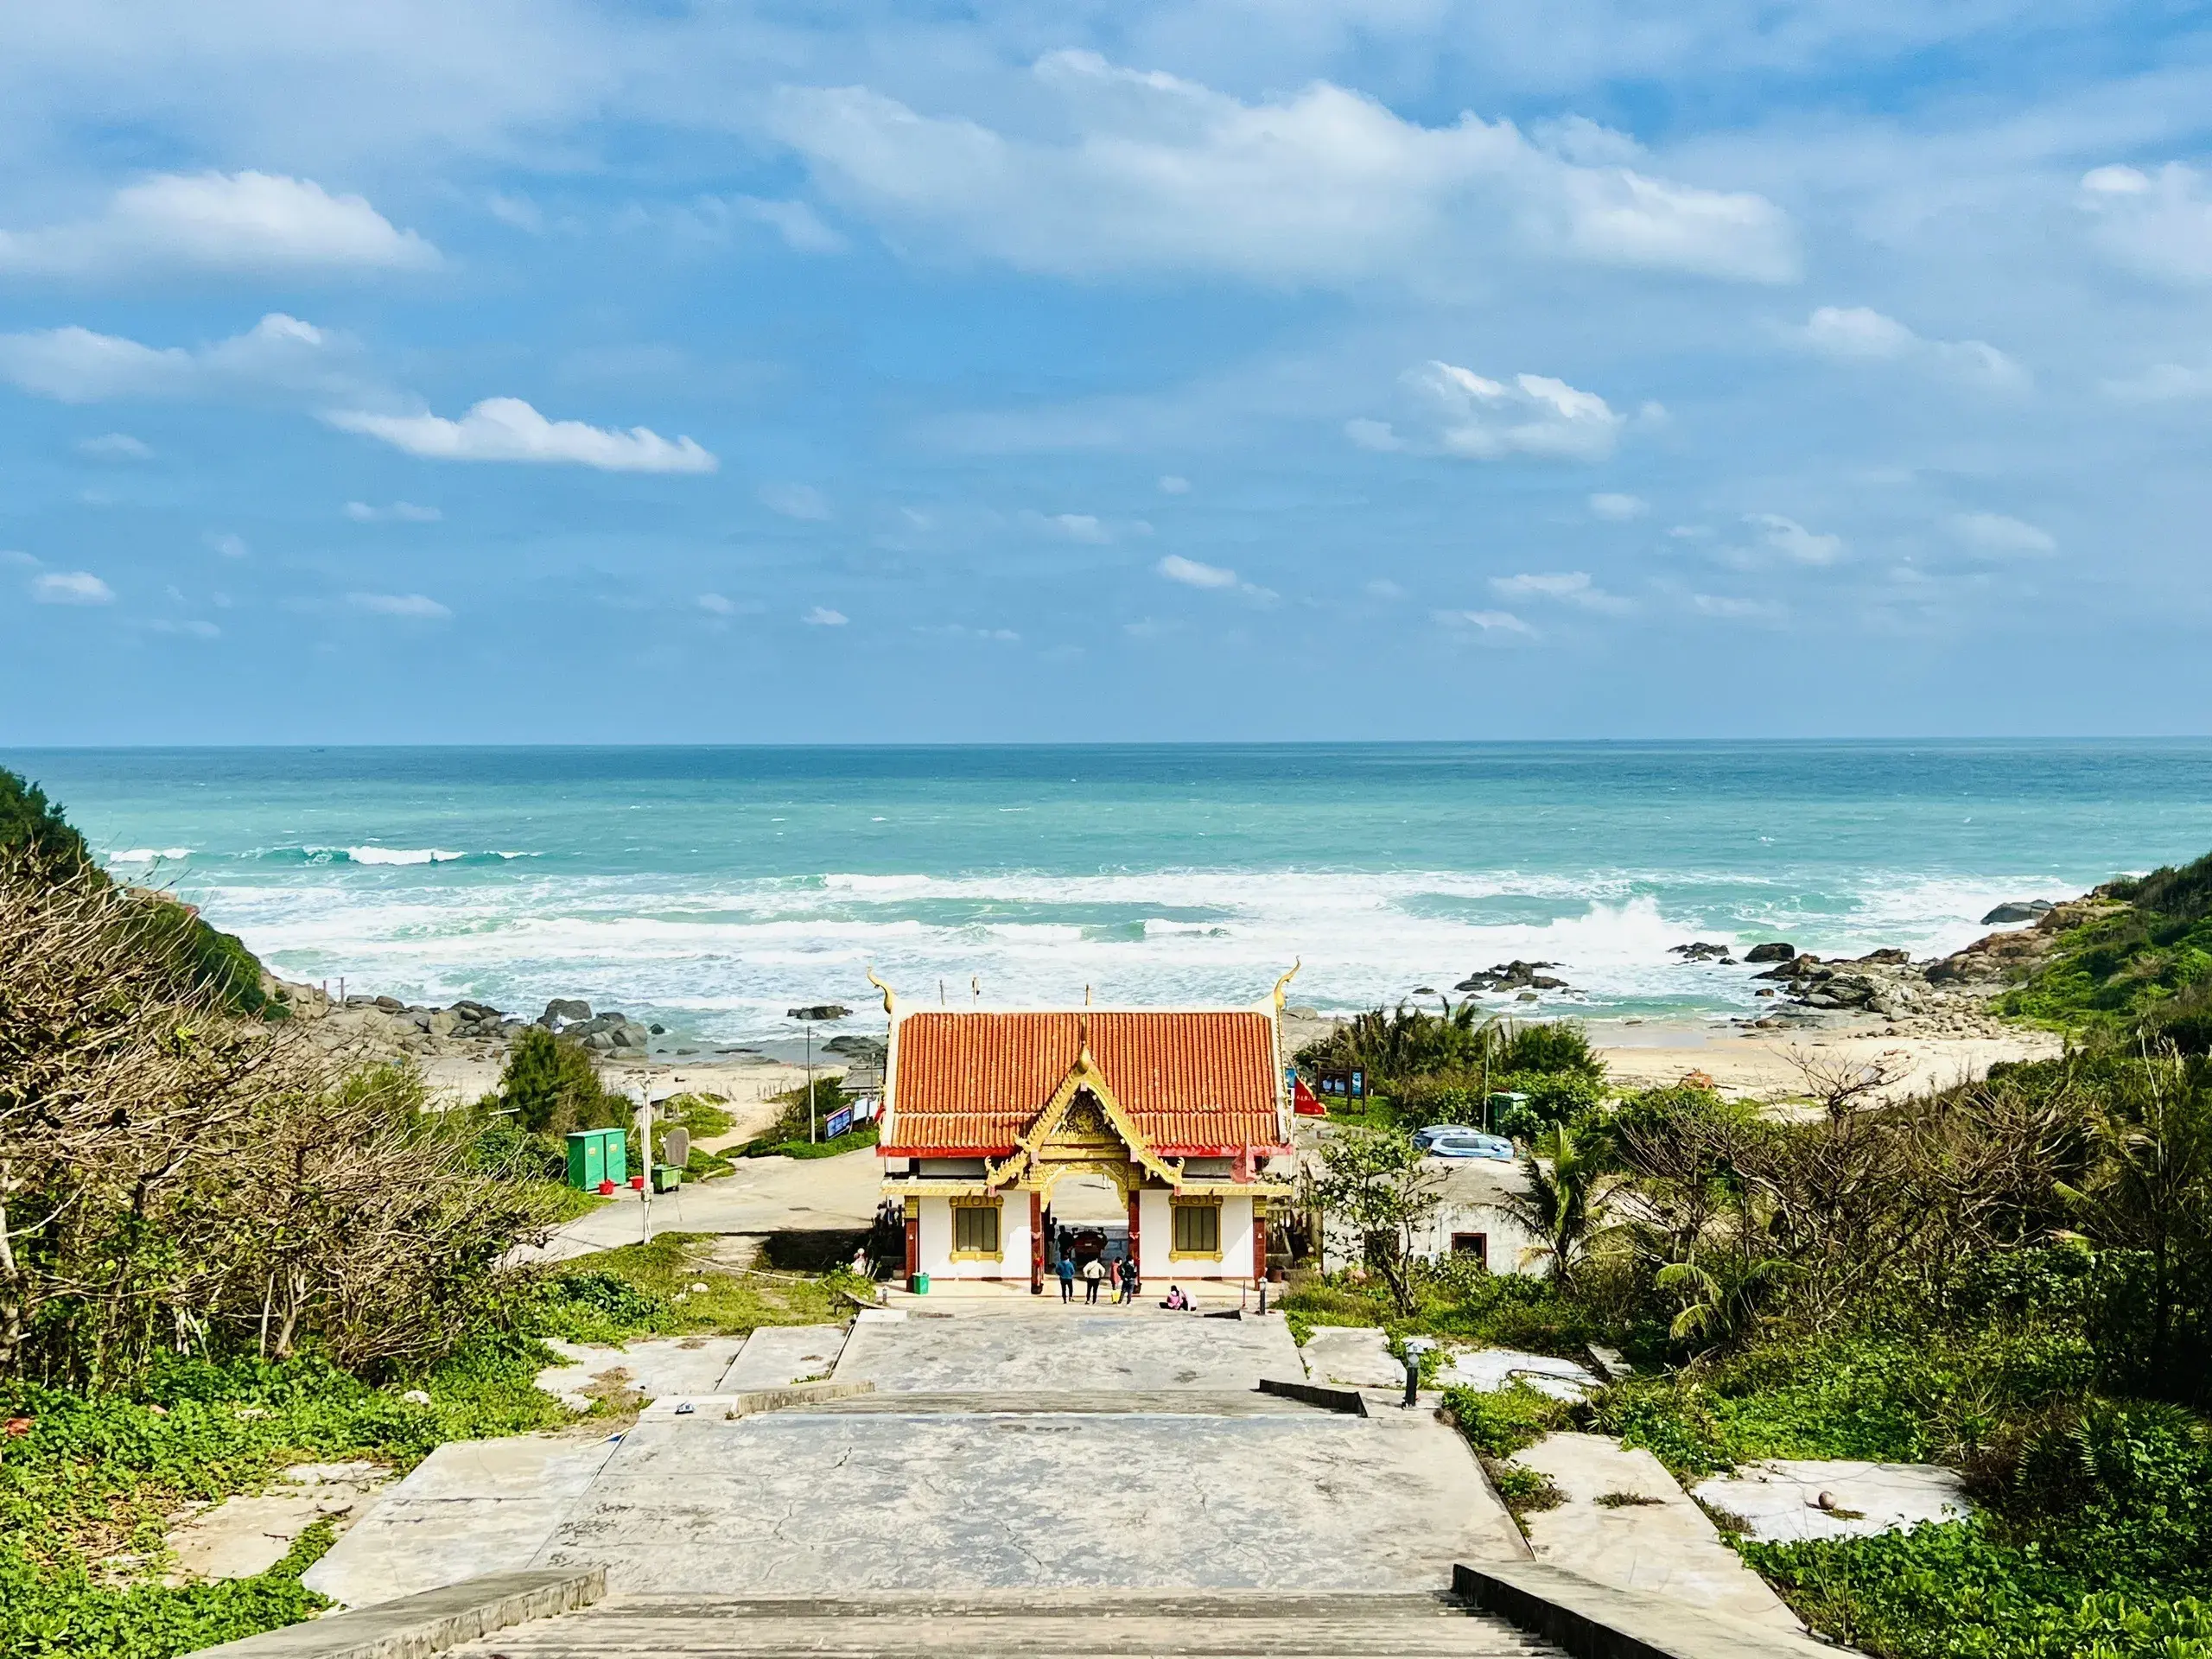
column 587, row 1159
column 596, row 1155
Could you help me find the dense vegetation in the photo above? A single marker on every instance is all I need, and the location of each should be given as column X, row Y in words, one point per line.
column 2013, row 1278
column 220, row 1255
column 38, row 842
column 2140, row 960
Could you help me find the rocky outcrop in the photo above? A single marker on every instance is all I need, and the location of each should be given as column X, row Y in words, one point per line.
column 1992, row 964
column 1514, row 975
column 2019, row 909
column 1777, row 951
column 1701, row 950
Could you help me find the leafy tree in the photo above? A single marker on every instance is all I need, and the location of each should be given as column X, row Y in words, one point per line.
column 1373, row 1184
column 30, row 823
column 552, row 1085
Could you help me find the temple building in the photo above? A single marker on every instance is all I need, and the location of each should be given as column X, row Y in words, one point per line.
column 987, row 1112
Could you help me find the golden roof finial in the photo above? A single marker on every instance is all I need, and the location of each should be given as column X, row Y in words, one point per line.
column 889, row 996
column 1286, row 980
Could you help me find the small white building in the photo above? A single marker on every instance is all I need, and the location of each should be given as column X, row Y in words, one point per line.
column 1470, row 1220
column 985, row 1111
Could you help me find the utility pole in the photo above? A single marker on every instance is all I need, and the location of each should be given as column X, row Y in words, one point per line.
column 645, row 1157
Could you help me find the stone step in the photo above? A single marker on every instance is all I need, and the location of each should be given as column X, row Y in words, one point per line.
column 1066, row 1624
column 1176, row 1402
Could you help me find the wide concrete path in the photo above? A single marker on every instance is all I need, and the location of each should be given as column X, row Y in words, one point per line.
column 766, row 1195
column 1174, row 1494
column 1049, row 1346
column 999, row 1450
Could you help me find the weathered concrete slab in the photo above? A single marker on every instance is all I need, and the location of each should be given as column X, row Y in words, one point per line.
column 776, row 1356
column 1779, row 1500
column 1602, row 1621
column 1352, row 1357
column 1067, row 1348
column 469, row 1510
column 249, row 1534
column 1493, row 1368
column 654, row 1366
column 1666, row 1547
column 432, row 1622
column 835, row 1503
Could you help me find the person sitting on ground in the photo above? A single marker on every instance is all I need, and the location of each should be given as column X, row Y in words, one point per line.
column 1067, row 1277
column 1175, row 1299
column 1093, row 1276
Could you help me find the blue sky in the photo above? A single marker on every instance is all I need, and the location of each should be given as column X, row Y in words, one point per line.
column 430, row 370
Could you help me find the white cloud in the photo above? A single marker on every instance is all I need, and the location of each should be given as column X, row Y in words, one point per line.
column 960, row 631
column 716, row 605
column 823, row 616
column 1191, row 574
column 799, row 226
column 795, row 500
column 1732, row 609
column 1793, row 541
column 418, row 606
column 1858, row 333
column 1618, row 509
column 231, row 546
column 71, row 587
column 1486, row 623
column 114, row 446
column 1487, row 420
column 1383, row 588
column 1147, row 171
column 1565, row 588
column 1074, row 526
column 2162, row 383
column 1994, row 533
column 400, row 513
column 2159, row 224
column 219, row 221
column 507, row 428
column 1170, row 483
column 78, row 367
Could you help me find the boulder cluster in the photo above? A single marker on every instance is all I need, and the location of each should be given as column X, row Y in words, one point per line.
column 612, row 1033
column 464, row 1019
column 1514, row 975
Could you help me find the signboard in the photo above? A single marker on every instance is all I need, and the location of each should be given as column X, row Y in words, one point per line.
column 840, row 1120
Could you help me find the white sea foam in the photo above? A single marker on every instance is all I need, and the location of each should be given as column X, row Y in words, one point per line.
column 399, row 854
column 148, row 855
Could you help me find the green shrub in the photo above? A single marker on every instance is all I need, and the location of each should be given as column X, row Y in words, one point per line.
column 552, row 1085
column 1497, row 1423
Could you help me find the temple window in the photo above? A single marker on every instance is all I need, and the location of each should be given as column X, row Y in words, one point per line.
column 1198, row 1229
column 976, row 1230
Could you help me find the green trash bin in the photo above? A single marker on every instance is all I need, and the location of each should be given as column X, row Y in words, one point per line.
column 667, row 1177
column 919, row 1284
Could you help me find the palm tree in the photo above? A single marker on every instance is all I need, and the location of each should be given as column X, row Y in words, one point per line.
column 1722, row 1301
column 1568, row 1194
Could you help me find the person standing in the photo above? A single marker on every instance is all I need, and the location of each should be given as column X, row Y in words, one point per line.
column 1093, row 1276
column 1128, row 1279
column 1067, row 1277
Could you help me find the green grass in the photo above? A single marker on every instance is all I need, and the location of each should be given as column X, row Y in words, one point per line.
column 645, row 1290
column 859, row 1139
column 1458, row 1302
column 87, row 1493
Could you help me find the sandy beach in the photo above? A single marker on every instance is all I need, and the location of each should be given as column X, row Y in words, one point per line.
column 1766, row 1065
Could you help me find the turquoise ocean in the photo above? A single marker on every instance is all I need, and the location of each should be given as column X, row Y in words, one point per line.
column 715, row 888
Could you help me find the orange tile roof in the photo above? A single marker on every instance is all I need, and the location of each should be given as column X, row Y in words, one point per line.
column 1196, row 1083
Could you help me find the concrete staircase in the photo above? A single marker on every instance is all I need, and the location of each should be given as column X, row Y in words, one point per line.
column 1076, row 1623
